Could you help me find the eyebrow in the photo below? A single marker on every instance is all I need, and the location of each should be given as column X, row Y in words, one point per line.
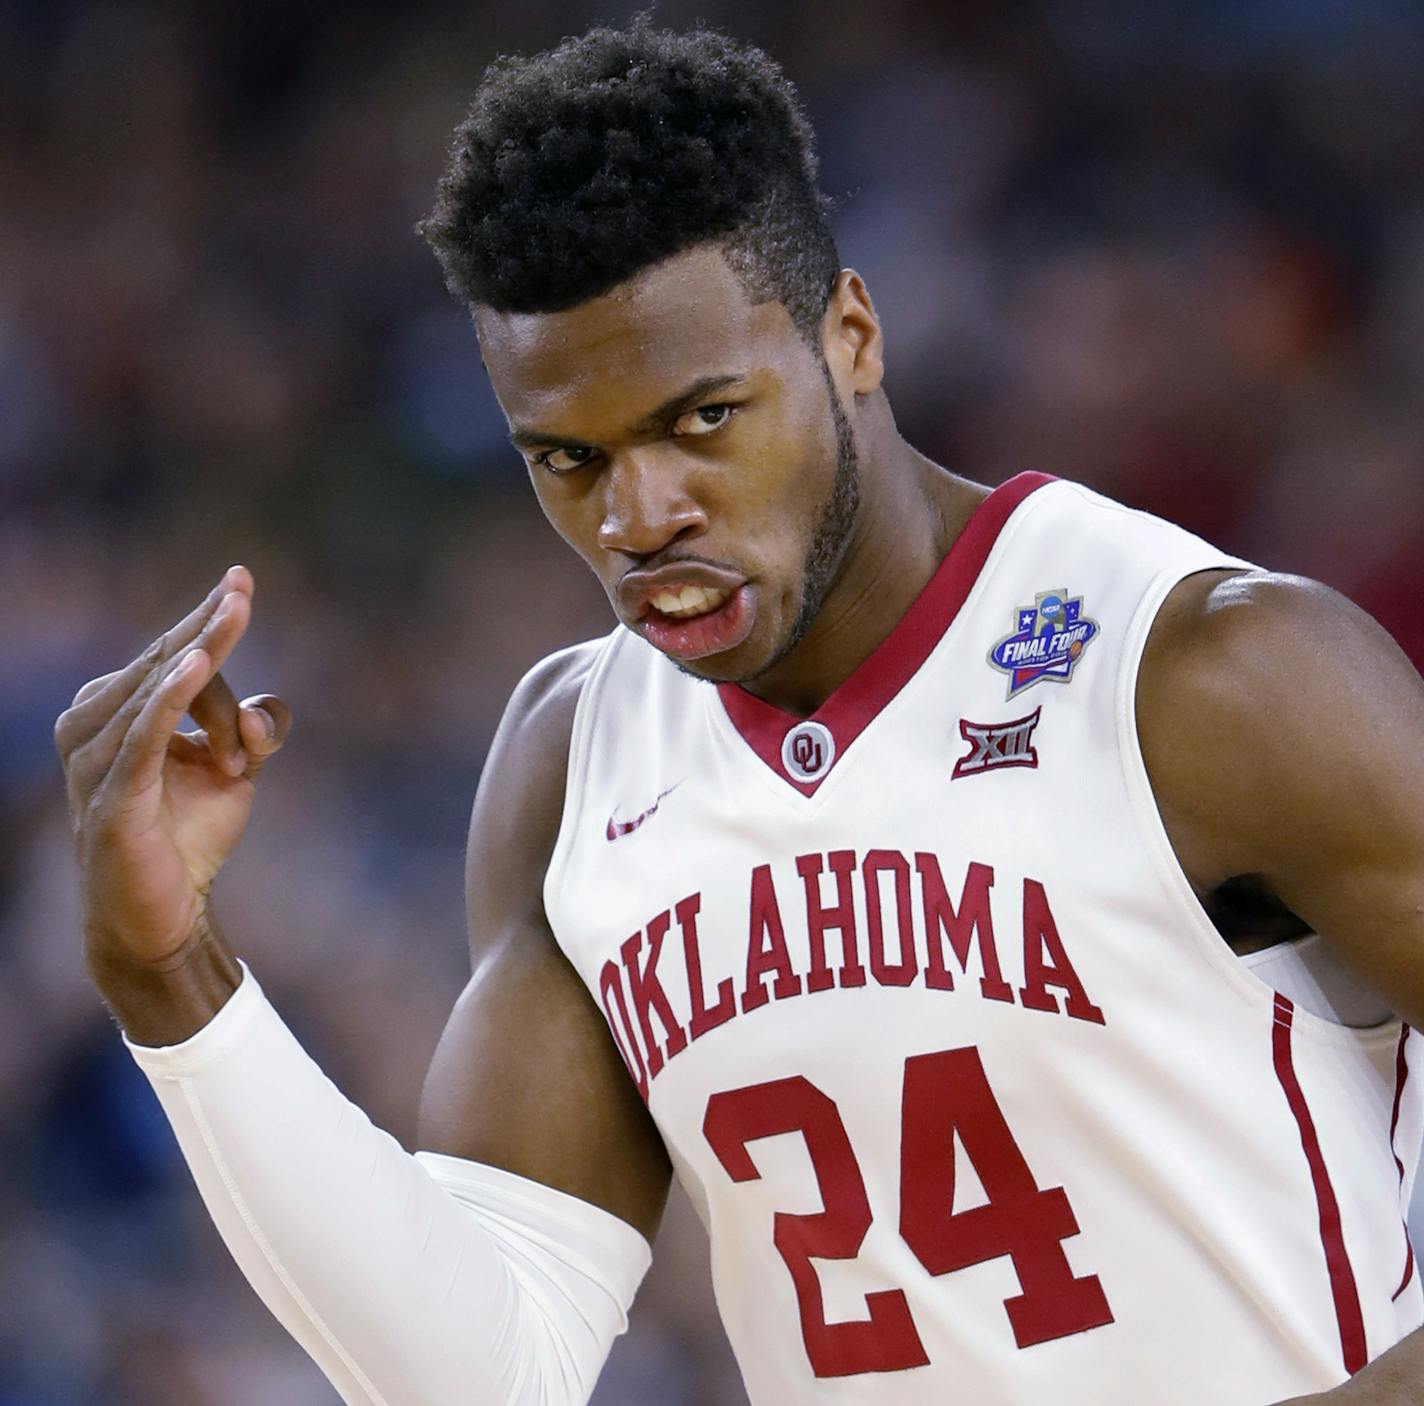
column 686, row 399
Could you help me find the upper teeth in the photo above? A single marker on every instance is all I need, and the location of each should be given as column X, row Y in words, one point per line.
column 689, row 600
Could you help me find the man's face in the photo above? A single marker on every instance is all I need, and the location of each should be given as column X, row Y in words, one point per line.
column 689, row 446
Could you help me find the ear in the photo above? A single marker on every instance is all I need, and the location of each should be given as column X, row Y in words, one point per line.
column 851, row 338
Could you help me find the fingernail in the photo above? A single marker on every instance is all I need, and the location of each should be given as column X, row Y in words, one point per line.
column 269, row 723
column 237, row 763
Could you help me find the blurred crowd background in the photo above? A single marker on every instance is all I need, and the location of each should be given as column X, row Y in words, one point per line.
column 1173, row 248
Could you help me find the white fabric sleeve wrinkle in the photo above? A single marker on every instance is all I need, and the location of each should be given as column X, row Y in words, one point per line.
column 411, row 1281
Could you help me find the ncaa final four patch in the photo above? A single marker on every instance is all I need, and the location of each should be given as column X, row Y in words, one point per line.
column 1052, row 634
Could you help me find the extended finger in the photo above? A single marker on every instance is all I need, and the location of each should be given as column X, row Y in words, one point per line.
column 139, row 763
column 91, row 688
column 168, row 645
column 264, row 721
column 215, row 711
column 88, row 762
column 97, row 701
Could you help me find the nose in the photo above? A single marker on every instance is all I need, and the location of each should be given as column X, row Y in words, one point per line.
column 648, row 503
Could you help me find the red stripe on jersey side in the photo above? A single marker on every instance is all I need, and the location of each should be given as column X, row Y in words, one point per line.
column 1401, row 1075
column 1408, row 1266
column 1332, row 1236
column 898, row 657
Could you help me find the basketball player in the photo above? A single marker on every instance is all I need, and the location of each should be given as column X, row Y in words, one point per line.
column 930, row 877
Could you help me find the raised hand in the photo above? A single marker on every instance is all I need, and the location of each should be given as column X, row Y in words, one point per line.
column 156, row 812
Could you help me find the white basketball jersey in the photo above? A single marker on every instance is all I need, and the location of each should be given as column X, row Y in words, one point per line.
column 976, row 1104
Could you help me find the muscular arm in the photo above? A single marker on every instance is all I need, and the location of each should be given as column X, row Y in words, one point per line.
column 1282, row 731
column 1281, row 728
column 526, row 1076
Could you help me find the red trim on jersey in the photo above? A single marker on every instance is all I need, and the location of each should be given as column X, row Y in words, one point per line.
column 1408, row 1266
column 1401, row 1074
column 1332, row 1236
column 898, row 657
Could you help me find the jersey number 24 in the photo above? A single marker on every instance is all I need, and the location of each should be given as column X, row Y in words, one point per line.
column 944, row 1094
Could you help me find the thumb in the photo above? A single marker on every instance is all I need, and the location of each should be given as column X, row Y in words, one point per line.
column 264, row 722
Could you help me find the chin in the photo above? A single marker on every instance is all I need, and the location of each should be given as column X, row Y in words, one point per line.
column 713, row 669
column 735, row 666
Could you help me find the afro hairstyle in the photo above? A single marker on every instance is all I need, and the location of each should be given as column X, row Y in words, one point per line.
column 579, row 167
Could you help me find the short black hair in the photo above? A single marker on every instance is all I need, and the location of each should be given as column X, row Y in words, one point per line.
column 579, row 167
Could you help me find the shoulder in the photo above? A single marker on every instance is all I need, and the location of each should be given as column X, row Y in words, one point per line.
column 540, row 711
column 1261, row 696
column 1255, row 644
column 1257, row 617
column 519, row 802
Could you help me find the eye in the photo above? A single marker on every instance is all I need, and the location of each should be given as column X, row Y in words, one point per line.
column 703, row 420
column 563, row 461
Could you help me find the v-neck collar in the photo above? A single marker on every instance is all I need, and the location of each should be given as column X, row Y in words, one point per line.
column 775, row 735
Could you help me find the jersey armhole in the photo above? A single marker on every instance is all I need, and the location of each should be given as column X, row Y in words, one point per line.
column 1152, row 831
column 577, row 771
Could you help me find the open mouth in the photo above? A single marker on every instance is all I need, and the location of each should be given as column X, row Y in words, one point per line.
column 688, row 602
column 689, row 622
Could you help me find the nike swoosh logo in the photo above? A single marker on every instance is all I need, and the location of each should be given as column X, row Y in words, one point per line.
column 618, row 828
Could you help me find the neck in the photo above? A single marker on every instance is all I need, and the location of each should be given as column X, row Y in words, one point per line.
column 911, row 513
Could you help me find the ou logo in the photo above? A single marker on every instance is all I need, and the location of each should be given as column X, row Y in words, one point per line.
column 807, row 751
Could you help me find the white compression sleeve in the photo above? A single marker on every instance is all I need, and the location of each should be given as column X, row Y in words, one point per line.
column 411, row 1281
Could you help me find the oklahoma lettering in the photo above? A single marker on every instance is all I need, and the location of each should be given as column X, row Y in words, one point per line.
column 914, row 931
